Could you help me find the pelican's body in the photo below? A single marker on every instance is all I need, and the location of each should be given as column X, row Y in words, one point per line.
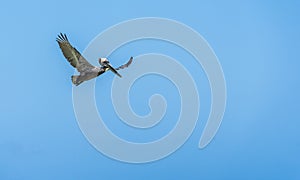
column 87, row 75
column 86, row 70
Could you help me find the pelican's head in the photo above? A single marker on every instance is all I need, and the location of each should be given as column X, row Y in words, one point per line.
column 103, row 61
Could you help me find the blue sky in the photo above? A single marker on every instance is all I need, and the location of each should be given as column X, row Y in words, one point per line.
column 257, row 45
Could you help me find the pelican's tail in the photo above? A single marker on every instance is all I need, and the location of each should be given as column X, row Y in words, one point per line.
column 75, row 80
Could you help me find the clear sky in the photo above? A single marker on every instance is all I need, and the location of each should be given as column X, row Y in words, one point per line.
column 257, row 43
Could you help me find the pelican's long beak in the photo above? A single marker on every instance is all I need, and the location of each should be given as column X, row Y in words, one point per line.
column 113, row 70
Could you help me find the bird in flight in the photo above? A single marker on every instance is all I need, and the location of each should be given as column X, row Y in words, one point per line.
column 86, row 70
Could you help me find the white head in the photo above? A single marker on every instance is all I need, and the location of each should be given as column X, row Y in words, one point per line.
column 103, row 61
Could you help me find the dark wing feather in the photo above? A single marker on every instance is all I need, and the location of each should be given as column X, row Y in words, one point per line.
column 125, row 65
column 72, row 55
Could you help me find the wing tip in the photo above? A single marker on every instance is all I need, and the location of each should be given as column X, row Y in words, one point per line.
column 62, row 38
column 130, row 61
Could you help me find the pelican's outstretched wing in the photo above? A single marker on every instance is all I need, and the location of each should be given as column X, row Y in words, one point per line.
column 125, row 65
column 72, row 55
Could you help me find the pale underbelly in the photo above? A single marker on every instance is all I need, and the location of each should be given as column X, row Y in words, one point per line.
column 88, row 76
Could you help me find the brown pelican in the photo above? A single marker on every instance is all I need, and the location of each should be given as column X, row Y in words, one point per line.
column 86, row 70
